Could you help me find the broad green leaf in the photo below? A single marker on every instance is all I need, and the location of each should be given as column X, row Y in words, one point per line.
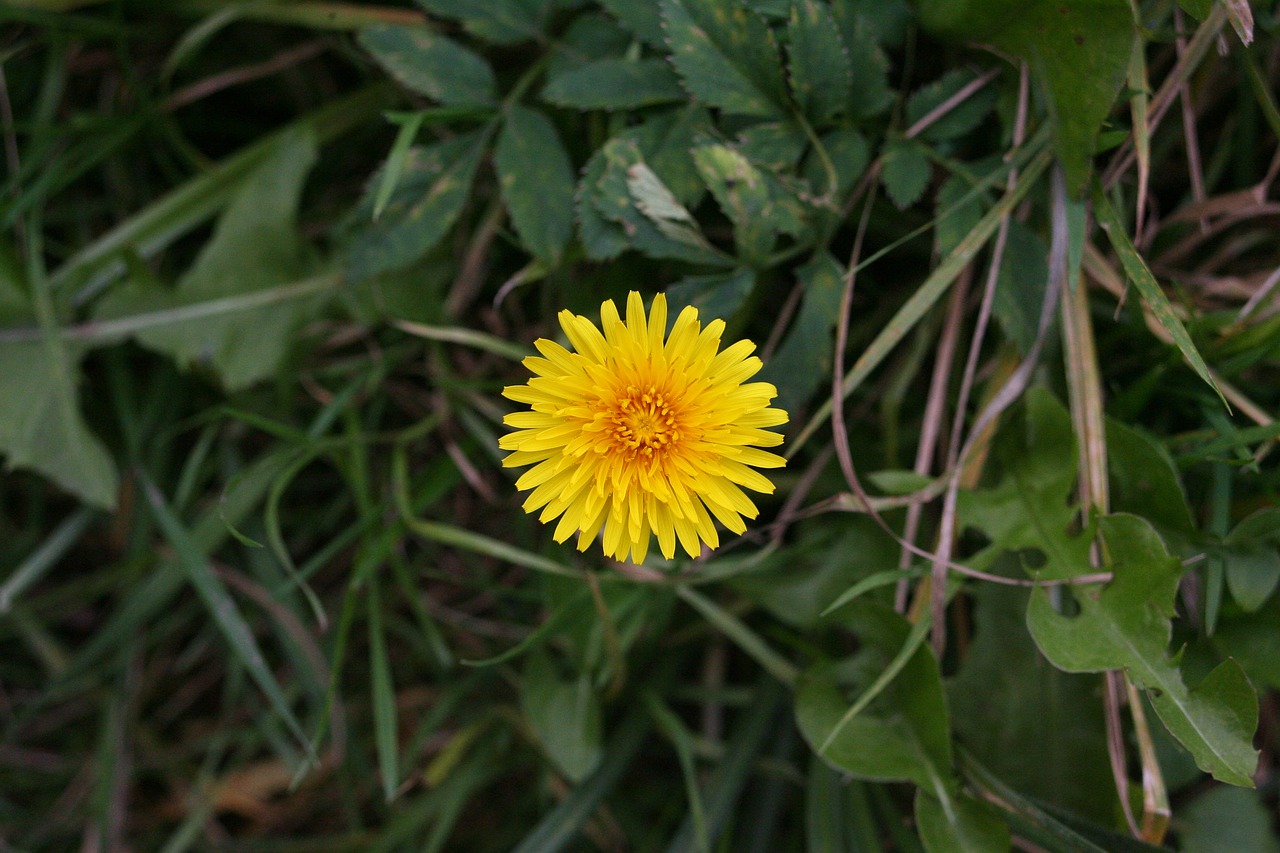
column 40, row 425
column 726, row 56
column 1039, row 729
column 961, row 825
column 715, row 296
column 426, row 202
column 1144, row 480
column 906, row 173
column 1126, row 625
column 565, row 715
column 615, row 84
column 885, row 20
column 255, row 248
column 871, row 94
column 803, row 362
column 497, row 21
column 821, row 76
column 1227, row 819
column 430, row 64
column 773, row 145
column 1078, row 52
column 1253, row 563
column 962, row 118
column 641, row 18
column 1021, row 284
column 1198, row 9
column 1136, row 270
column 537, row 182
column 755, row 202
column 1254, row 641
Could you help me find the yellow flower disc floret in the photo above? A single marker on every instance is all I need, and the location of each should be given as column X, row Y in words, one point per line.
column 637, row 433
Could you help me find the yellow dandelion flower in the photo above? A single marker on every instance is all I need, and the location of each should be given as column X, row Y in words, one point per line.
column 639, row 433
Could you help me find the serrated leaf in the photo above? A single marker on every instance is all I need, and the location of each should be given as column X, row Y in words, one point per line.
column 726, row 56
column 869, row 67
column 759, row 208
column 847, row 149
column 962, row 118
column 430, row 64
column 537, row 182
column 643, row 19
column 906, row 173
column 615, row 84
column 589, row 38
column 821, row 75
column 1136, row 271
column 774, row 145
column 41, row 427
column 255, row 248
column 427, row 201
column 497, row 21
column 1078, row 52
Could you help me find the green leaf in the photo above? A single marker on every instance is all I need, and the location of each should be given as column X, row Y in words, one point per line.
column 1020, row 285
column 41, row 427
column 615, row 84
column 497, row 21
column 1126, row 625
column 427, row 201
column 430, row 64
column 715, row 296
column 803, row 363
column 1078, row 52
column 821, row 75
column 255, row 247
column 871, row 94
column 906, row 173
column 1198, row 9
column 565, row 715
column 1136, row 270
column 755, row 202
column 537, row 182
column 847, row 150
column 1252, row 561
column 1144, row 480
column 1039, row 729
column 643, row 19
column 956, row 213
column 962, row 825
column 726, row 56
column 959, row 120
column 1227, row 819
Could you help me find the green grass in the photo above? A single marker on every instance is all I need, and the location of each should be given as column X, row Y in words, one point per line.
column 265, row 270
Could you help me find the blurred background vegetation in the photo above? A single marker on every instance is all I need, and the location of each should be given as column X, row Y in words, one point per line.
column 266, row 266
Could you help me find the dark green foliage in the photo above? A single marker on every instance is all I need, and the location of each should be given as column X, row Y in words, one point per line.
column 265, row 270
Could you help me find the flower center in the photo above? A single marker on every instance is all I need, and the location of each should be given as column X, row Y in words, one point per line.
column 644, row 422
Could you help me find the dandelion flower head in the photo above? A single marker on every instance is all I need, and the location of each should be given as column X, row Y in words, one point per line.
column 639, row 433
